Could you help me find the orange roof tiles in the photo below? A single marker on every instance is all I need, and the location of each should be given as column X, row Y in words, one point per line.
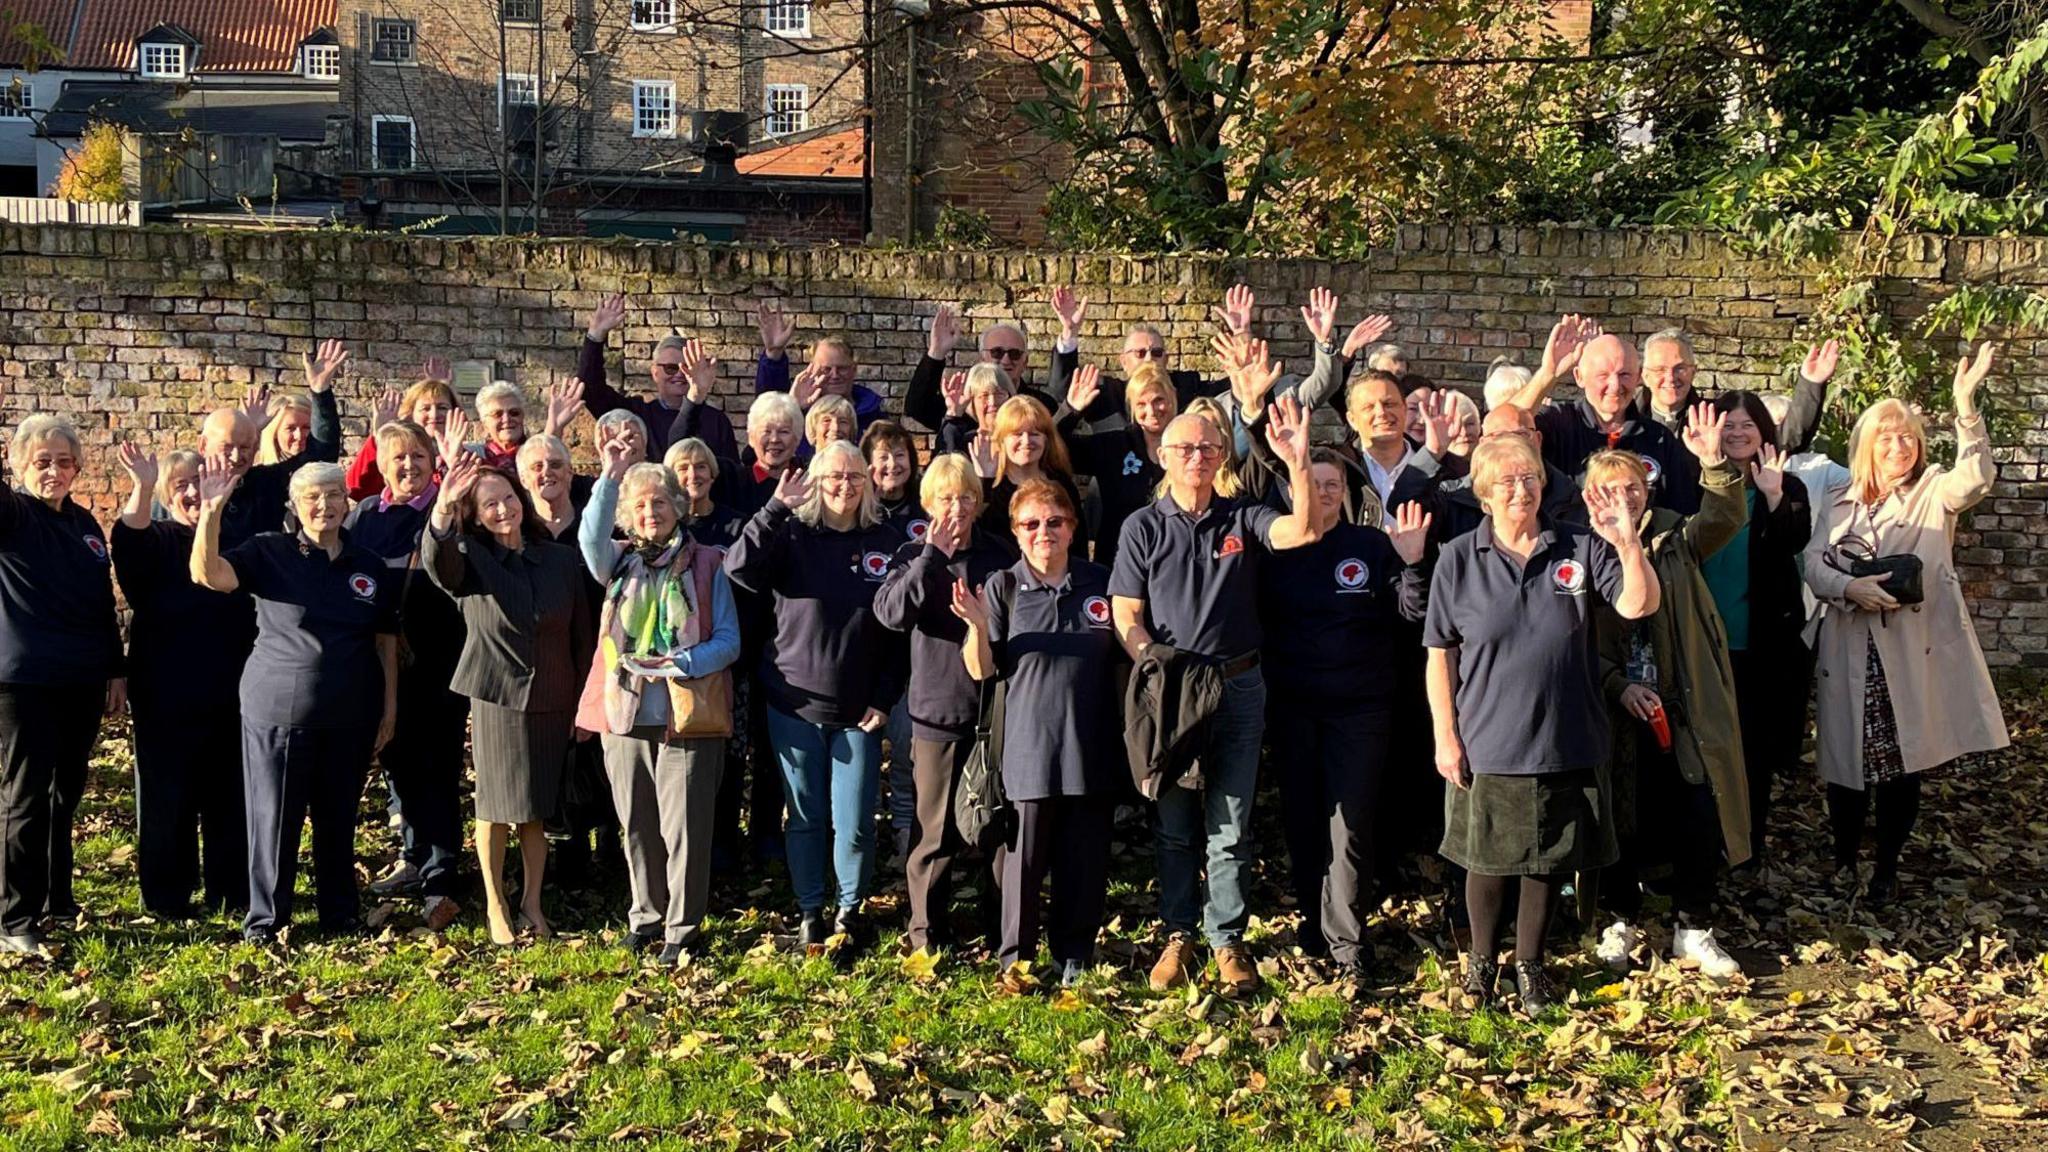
column 836, row 155
column 234, row 35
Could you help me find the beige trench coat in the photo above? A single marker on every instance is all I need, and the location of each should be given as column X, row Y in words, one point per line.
column 1941, row 692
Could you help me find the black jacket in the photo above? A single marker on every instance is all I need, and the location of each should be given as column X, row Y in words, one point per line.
column 1168, row 705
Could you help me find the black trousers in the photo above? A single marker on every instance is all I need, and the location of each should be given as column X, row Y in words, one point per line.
column 1675, row 824
column 1067, row 836
column 1771, row 690
column 934, row 841
column 1410, row 817
column 1332, row 771
column 288, row 773
column 757, row 789
column 46, row 737
column 190, row 824
column 424, row 762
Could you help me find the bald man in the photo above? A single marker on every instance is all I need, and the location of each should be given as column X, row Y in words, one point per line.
column 1453, row 505
column 1609, row 374
column 259, row 501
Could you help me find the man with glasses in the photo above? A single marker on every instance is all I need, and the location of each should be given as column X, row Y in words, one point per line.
column 683, row 376
column 831, row 371
column 1143, row 343
column 1002, row 344
column 1187, row 575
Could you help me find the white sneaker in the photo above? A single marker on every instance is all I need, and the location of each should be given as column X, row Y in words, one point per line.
column 1699, row 946
column 400, row 877
column 1616, row 943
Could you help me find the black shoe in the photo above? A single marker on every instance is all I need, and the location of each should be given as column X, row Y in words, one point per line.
column 260, row 937
column 1358, row 967
column 810, row 931
column 848, row 922
column 1481, row 973
column 639, row 942
column 1536, row 988
column 1883, row 889
column 672, row 953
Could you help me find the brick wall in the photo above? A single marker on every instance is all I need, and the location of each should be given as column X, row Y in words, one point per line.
column 136, row 333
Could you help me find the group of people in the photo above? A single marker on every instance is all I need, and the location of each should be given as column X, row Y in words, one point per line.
column 1097, row 593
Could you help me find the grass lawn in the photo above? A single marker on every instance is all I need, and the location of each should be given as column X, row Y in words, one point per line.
column 149, row 1034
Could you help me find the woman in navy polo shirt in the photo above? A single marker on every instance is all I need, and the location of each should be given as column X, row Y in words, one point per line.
column 185, row 646
column 1334, row 612
column 1514, row 691
column 1044, row 627
column 829, row 671
column 319, row 693
column 60, row 670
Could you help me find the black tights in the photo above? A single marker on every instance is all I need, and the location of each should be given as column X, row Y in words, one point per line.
column 1898, row 807
column 1486, row 899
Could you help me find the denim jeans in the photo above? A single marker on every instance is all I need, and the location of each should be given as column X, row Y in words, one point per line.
column 902, row 784
column 1214, row 822
column 832, row 780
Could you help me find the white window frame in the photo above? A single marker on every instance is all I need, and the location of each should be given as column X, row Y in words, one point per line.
column 17, row 103
column 780, row 18
column 157, row 70
column 661, row 13
column 331, row 53
column 411, row 41
column 412, row 143
column 506, row 81
column 772, row 114
column 666, row 91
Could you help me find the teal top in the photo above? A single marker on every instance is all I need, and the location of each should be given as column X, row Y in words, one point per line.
column 1727, row 573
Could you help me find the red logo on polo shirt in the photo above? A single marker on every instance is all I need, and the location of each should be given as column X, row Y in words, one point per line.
column 97, row 547
column 362, row 586
column 918, row 528
column 1569, row 576
column 1350, row 575
column 1232, row 545
column 1654, row 470
column 874, row 565
column 1096, row 609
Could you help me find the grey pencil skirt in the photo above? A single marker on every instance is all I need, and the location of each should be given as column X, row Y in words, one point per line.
column 519, row 759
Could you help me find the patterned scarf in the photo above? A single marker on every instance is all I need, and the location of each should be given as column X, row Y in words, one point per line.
column 646, row 617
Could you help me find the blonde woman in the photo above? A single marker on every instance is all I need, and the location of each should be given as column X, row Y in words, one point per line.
column 1124, row 460
column 1021, row 445
column 1903, row 686
column 286, row 435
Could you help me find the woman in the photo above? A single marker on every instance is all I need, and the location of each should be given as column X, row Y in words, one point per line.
column 830, row 418
column 708, row 522
column 1332, row 611
column 775, row 427
column 285, row 436
column 1514, row 695
column 60, row 670
column 1903, row 687
column 829, row 671
column 1465, row 424
column 1042, row 627
column 659, row 693
column 319, row 693
column 892, row 469
column 428, row 403
column 501, row 410
column 527, row 619
column 627, row 428
column 1755, row 583
column 972, row 399
column 1021, row 445
column 943, row 703
column 424, row 758
column 1124, row 460
column 186, row 645
column 1681, row 794
column 556, row 493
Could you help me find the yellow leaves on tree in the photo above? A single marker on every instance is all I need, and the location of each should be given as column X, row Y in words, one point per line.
column 92, row 171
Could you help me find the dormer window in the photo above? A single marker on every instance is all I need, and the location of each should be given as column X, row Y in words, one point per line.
column 163, row 61
column 322, row 61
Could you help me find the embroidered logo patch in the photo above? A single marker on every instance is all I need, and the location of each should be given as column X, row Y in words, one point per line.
column 1351, row 575
column 917, row 529
column 1569, row 576
column 1654, row 470
column 1232, row 545
column 362, row 586
column 1133, row 465
column 874, row 565
column 1096, row 609
column 97, row 547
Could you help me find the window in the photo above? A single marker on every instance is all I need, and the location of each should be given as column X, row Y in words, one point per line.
column 391, row 139
column 322, row 61
column 516, row 89
column 391, row 41
column 789, row 17
column 789, row 109
column 163, row 61
column 654, row 108
column 17, row 99
column 654, row 15
column 521, row 11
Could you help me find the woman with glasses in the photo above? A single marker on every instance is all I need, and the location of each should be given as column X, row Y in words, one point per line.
column 829, row 672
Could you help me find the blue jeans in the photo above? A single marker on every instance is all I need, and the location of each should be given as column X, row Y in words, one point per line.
column 832, row 779
column 902, row 784
column 1215, row 821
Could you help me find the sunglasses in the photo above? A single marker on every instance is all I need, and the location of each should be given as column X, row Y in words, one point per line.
column 1152, row 352
column 1006, row 353
column 1050, row 524
column 667, row 369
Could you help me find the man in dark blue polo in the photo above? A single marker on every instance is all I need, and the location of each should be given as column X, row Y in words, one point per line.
column 1609, row 375
column 1187, row 575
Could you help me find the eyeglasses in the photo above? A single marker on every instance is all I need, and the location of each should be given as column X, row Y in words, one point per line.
column 667, row 369
column 1050, row 524
column 1530, row 482
column 842, row 477
column 1190, row 451
column 1149, row 352
column 1006, row 353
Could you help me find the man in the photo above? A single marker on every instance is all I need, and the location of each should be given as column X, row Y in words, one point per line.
column 1453, row 506
column 1142, row 343
column 683, row 376
column 1669, row 368
column 831, row 371
column 1609, row 375
column 1002, row 344
column 1187, row 576
column 260, row 500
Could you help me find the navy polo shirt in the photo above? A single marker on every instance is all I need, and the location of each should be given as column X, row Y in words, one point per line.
column 186, row 643
column 317, row 622
column 1528, row 696
column 1572, row 433
column 918, row 598
column 1197, row 574
column 433, row 627
column 57, row 624
column 1336, row 613
column 1057, row 652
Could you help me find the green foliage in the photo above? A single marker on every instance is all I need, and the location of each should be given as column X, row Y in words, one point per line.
column 963, row 228
column 93, row 171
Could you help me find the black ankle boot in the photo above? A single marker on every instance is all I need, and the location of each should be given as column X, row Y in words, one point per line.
column 810, row 930
column 1535, row 987
column 1481, row 972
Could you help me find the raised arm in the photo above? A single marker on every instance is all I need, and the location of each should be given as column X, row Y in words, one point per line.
column 140, row 464
column 323, row 442
column 1724, row 500
column 1970, row 479
column 600, row 512
column 757, row 559
column 209, row 568
column 1568, row 338
column 598, row 394
column 1640, row 592
column 446, row 563
column 1287, row 434
column 1809, row 395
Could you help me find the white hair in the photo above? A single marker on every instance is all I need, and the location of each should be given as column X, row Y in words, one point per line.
column 646, row 475
column 833, row 456
column 1778, row 406
column 500, row 392
column 1009, row 326
column 39, row 428
column 1503, row 382
column 319, row 474
column 774, row 407
column 620, row 418
column 1669, row 336
column 536, row 444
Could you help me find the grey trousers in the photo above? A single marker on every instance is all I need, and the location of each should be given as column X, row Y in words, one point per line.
column 665, row 795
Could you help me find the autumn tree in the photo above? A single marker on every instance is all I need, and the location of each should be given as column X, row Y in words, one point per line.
column 93, row 171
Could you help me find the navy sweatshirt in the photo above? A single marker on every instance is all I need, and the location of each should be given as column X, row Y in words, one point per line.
column 57, row 623
column 918, row 598
column 1333, row 613
column 186, row 644
column 826, row 658
column 430, row 624
column 1572, row 432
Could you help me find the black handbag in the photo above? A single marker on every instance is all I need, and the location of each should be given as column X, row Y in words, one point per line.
column 981, row 813
column 1901, row 572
